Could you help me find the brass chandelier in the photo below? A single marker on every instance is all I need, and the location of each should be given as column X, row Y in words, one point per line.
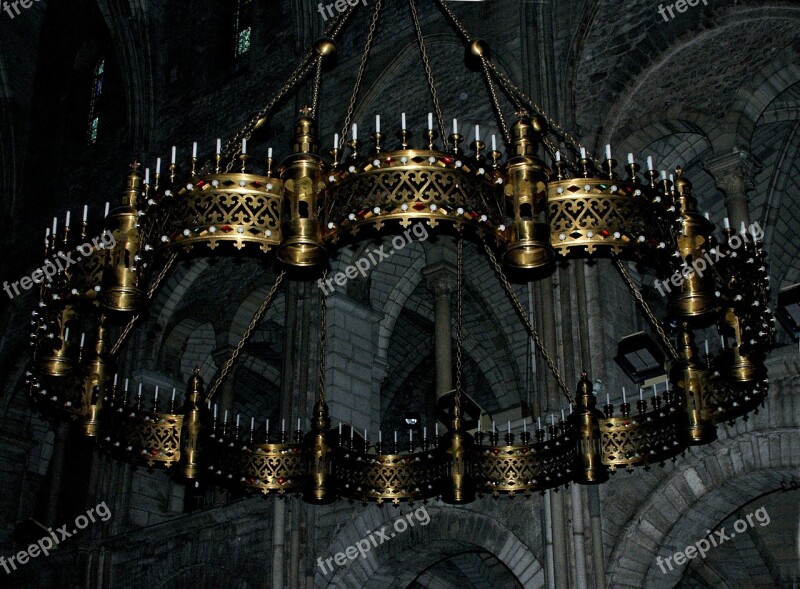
column 521, row 209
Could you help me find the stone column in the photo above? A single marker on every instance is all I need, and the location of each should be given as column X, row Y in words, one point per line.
column 440, row 278
column 734, row 175
column 57, row 463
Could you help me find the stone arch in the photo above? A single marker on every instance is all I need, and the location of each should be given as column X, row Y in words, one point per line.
column 450, row 531
column 202, row 576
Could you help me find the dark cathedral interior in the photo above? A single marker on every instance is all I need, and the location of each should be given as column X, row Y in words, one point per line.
column 371, row 294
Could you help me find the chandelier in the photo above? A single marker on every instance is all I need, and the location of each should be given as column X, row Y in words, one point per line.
column 525, row 213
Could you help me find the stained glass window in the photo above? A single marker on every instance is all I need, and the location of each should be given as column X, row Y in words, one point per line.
column 242, row 27
column 98, row 79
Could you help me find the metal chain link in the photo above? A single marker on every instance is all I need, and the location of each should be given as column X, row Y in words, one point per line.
column 247, row 335
column 323, row 338
column 362, row 66
column 645, row 307
column 495, row 101
column 317, row 84
column 526, row 320
column 459, row 318
column 428, row 73
column 152, row 291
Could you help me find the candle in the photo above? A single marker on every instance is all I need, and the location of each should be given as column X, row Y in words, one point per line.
column 283, row 425
column 539, row 422
column 66, row 224
column 365, row 435
column 641, row 396
column 722, row 340
column 140, row 389
column 46, row 235
column 219, row 146
column 55, row 225
column 351, row 433
column 147, row 176
column 508, row 427
column 430, row 121
column 493, row 429
column 583, row 153
column 252, row 423
column 395, row 436
column 672, row 178
column 126, row 385
column 608, row 151
column 336, row 141
column 742, row 228
column 552, row 420
column 355, row 132
column 726, row 223
column 403, row 121
column 238, row 417
column 106, row 213
column 624, row 400
column 244, row 146
column 655, row 390
column 455, row 126
column 436, row 432
column 173, row 394
column 83, row 338
column 225, row 417
column 494, row 143
column 425, row 433
column 174, row 154
column 340, row 429
column 630, row 158
column 411, row 435
column 650, row 162
column 215, row 411
column 380, row 437
column 85, row 212
column 524, row 426
column 269, row 153
column 558, row 155
column 477, row 132
column 116, row 376
column 268, row 426
column 194, row 149
column 158, row 166
column 562, row 415
column 66, row 334
column 706, row 345
column 377, row 123
column 608, row 399
column 156, row 393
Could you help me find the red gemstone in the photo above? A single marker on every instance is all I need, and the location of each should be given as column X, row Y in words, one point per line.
column 605, row 232
column 362, row 213
column 418, row 206
column 154, row 452
column 447, row 160
column 226, row 228
column 281, row 480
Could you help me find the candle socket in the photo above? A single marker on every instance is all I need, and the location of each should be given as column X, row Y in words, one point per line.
column 298, row 436
column 540, row 433
column 478, row 147
column 479, row 438
column 652, row 178
column 66, row 235
column 431, row 136
column 494, row 438
column 379, row 448
column 656, row 401
column 284, row 436
column 609, row 166
column 626, row 409
column 586, row 168
column 138, row 405
column 633, row 172
column 404, row 135
column 495, row 156
column 669, row 397
column 396, row 448
column 156, row 405
column 84, row 225
column 553, row 430
column 608, row 410
column 236, row 432
column 172, row 406
column 561, row 172
column 378, row 138
column 525, row 438
column 269, row 162
column 509, row 439
column 173, row 169
column 194, row 167
column 411, row 446
column 243, row 157
column 456, row 139
column 217, row 165
column 641, row 405
column 334, row 153
column 353, row 145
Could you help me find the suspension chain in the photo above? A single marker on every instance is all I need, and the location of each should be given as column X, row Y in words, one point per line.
column 495, row 101
column 150, row 293
column 645, row 307
column 528, row 325
column 245, row 338
column 428, row 73
column 360, row 75
column 323, row 338
column 459, row 318
column 317, row 84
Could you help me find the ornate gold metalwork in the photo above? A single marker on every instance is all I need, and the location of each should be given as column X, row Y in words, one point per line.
column 95, row 383
column 319, row 487
column 273, row 467
column 688, row 379
column 192, row 427
column 590, row 467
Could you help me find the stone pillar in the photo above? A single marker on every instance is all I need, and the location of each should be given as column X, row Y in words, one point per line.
column 57, row 472
column 440, row 278
column 734, row 175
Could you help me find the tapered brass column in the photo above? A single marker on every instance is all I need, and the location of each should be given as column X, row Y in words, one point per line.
column 687, row 377
column 190, row 447
column 94, row 384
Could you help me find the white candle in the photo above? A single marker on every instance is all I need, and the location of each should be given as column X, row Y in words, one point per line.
column 583, row 153
column 722, row 341
column 494, row 143
column 410, row 435
column 267, row 426
column 156, row 392
column 508, row 426
column 377, row 123
column 225, row 417
column 85, row 212
column 298, row 424
column 238, row 417
column 706, row 345
column 55, row 226
column 355, row 131
column 351, row 433
column 524, row 426
column 336, row 141
column 650, row 162
column 455, row 126
column 655, row 390
column 493, row 429
column 269, row 153
column 436, row 432
column 244, row 146
column 340, row 429
column 66, row 334
column 608, row 151
column 403, row 121
column 742, row 228
column 126, row 385
column 624, row 400
column 726, row 223
column 539, row 422
column 283, row 425
column 252, row 423
column 219, row 146
column 630, row 158
column 147, row 176
column 194, row 149
column 66, row 223
column 395, row 437
column 558, row 156
column 608, row 399
column 158, row 166
column 380, row 437
column 663, row 174
column 430, row 121
column 46, row 235
column 562, row 415
column 83, row 339
column 116, row 376
column 174, row 154
column 641, row 397
column 173, row 394
column 365, row 435
column 140, row 389
column 552, row 419
column 106, row 213
column 425, row 433
column 215, row 410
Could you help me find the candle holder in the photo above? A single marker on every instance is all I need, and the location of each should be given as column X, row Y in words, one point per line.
column 404, row 135
column 553, row 431
column 495, row 156
column 379, row 448
column 411, row 446
column 525, row 438
column 194, row 167
column 656, row 401
column 284, row 436
column 641, row 405
column 431, row 136
column 586, row 167
column 334, row 153
column 608, row 410
column 509, row 439
column 173, row 170
column 561, row 173
column 298, row 436
column 217, row 166
column 626, row 409
column 540, row 433
column 377, row 138
column 156, row 404
column 456, row 139
column 478, row 147
column 479, row 438
column 493, row 439
column 609, row 165
column 243, row 157
column 652, row 178
column 353, row 145
column 633, row 170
